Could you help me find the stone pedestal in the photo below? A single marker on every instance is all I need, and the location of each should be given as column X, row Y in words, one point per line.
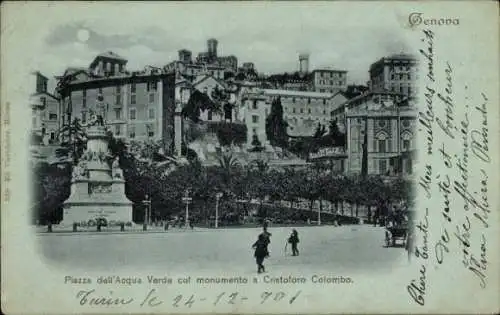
column 97, row 190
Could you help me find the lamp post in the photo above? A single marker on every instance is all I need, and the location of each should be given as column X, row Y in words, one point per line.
column 187, row 200
column 217, row 197
column 147, row 210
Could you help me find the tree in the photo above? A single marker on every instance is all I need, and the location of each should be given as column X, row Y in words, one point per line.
column 228, row 165
column 276, row 125
column 337, row 138
column 74, row 141
column 199, row 101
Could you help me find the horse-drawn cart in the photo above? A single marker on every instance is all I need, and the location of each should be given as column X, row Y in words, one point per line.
column 396, row 233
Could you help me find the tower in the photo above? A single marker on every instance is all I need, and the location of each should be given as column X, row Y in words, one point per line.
column 212, row 48
column 303, row 63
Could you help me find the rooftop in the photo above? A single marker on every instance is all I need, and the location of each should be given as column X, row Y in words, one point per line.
column 297, row 93
column 328, row 69
column 111, row 55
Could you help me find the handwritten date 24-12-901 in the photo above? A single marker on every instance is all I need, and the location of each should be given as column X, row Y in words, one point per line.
column 154, row 299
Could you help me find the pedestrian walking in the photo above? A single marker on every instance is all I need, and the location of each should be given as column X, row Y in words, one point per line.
column 261, row 252
column 294, row 240
column 267, row 239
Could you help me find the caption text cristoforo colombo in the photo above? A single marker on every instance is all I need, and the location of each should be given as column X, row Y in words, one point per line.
column 166, row 280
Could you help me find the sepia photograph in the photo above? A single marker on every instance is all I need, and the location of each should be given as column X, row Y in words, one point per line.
column 277, row 153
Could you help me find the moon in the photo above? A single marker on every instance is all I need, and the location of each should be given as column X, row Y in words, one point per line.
column 83, row 35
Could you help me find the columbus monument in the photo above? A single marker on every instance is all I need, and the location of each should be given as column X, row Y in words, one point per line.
column 97, row 188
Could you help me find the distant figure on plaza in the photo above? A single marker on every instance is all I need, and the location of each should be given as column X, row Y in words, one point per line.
column 267, row 237
column 294, row 240
column 261, row 252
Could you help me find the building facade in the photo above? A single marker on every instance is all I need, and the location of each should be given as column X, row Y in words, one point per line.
column 304, row 110
column 329, row 80
column 380, row 125
column 136, row 106
column 253, row 110
column 396, row 73
column 45, row 111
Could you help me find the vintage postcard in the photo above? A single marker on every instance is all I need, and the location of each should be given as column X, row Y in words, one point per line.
column 250, row 157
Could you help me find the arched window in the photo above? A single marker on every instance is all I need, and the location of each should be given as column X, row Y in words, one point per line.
column 406, row 138
column 382, row 142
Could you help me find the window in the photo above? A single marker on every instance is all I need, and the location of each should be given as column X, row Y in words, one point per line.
column 84, row 117
column 118, row 113
column 324, row 111
column 152, row 86
column 151, row 98
column 406, row 145
column 254, row 131
column 382, row 166
column 301, row 110
column 118, row 99
column 52, row 116
column 117, row 89
column 133, row 88
column 117, row 130
column 293, row 100
column 151, row 132
column 52, row 135
column 309, row 110
column 151, row 113
column 255, row 104
column 43, row 99
column 382, row 146
column 324, row 102
column 255, row 119
column 293, row 110
column 131, row 132
column 132, row 114
column 33, row 122
column 132, row 99
column 308, row 101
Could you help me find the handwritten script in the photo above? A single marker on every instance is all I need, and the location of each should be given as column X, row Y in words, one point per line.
column 154, row 298
column 455, row 132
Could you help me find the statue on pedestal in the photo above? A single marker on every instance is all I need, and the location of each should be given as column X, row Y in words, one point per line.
column 116, row 171
column 80, row 170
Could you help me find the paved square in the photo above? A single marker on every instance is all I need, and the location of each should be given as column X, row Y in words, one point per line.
column 325, row 248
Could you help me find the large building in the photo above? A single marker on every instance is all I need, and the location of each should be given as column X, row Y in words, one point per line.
column 45, row 111
column 137, row 105
column 302, row 110
column 396, row 73
column 329, row 80
column 382, row 126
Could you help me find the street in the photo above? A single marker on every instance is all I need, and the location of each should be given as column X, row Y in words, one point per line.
column 327, row 248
